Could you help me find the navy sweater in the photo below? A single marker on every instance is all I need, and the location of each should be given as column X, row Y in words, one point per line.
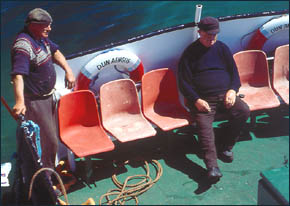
column 206, row 71
column 33, row 60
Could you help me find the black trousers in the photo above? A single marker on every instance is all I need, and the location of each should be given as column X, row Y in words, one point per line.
column 237, row 114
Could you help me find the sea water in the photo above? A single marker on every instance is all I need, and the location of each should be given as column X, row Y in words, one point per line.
column 83, row 25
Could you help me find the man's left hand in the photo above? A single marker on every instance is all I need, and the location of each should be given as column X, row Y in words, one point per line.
column 230, row 98
column 69, row 80
column 69, row 76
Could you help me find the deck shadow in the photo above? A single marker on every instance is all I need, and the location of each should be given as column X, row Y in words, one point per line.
column 171, row 146
column 272, row 124
column 103, row 166
column 180, row 144
column 221, row 131
column 180, row 162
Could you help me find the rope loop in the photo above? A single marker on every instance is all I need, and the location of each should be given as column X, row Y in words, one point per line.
column 126, row 191
column 57, row 177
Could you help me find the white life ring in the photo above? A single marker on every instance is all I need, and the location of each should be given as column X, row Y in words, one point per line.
column 118, row 59
column 267, row 30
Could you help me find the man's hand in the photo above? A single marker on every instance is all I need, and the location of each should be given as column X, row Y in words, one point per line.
column 69, row 76
column 230, row 98
column 19, row 108
column 202, row 105
column 69, row 80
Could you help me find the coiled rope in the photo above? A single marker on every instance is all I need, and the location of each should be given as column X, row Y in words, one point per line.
column 57, row 177
column 126, row 192
column 123, row 193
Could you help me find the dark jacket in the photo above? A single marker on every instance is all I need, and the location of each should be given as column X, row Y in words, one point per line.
column 204, row 72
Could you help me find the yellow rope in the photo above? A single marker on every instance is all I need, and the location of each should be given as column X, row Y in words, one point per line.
column 124, row 194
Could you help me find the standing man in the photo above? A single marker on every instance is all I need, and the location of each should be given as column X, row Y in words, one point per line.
column 33, row 76
column 209, row 80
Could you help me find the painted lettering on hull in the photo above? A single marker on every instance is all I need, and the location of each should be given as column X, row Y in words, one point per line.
column 113, row 61
column 280, row 27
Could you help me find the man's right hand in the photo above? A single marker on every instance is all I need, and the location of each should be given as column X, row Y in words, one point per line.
column 202, row 105
column 19, row 108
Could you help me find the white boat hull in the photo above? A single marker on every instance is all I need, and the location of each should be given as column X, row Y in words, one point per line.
column 162, row 49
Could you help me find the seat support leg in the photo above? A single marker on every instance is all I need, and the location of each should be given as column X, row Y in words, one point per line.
column 253, row 120
column 88, row 169
column 71, row 160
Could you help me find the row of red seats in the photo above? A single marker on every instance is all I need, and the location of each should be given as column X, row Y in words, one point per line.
column 261, row 86
column 259, row 89
column 82, row 130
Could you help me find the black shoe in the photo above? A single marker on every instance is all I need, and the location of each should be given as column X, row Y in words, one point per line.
column 214, row 174
column 226, row 156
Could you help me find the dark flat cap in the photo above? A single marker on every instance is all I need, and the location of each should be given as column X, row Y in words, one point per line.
column 210, row 25
column 39, row 16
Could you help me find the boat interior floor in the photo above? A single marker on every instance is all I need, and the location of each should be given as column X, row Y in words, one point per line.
column 261, row 147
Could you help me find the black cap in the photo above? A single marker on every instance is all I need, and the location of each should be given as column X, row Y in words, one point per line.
column 210, row 25
column 39, row 16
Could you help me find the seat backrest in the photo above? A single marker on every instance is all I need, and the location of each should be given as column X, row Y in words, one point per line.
column 118, row 96
column 253, row 68
column 159, row 85
column 281, row 63
column 78, row 108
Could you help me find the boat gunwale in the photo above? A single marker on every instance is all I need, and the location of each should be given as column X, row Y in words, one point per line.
column 173, row 28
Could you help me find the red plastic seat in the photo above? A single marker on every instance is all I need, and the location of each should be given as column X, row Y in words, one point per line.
column 254, row 74
column 280, row 81
column 79, row 124
column 121, row 112
column 160, row 100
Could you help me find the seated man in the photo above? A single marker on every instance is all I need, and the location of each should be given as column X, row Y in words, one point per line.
column 209, row 80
